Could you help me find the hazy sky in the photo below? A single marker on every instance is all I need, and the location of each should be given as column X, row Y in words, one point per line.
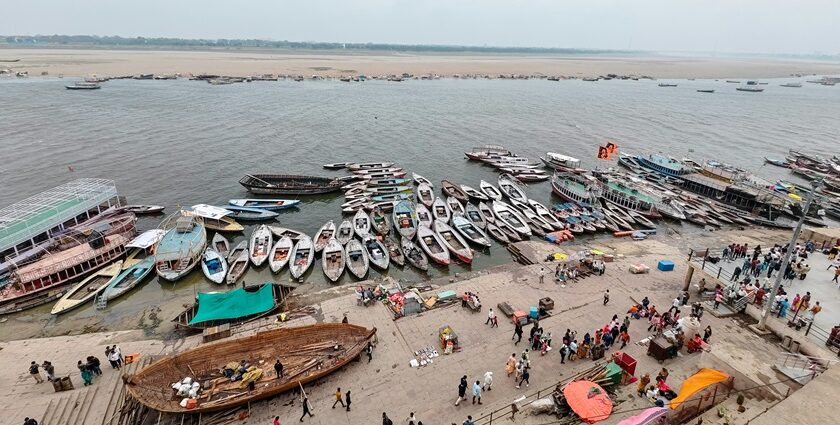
column 760, row 26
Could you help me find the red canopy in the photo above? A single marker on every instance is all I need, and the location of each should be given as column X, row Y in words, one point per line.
column 588, row 400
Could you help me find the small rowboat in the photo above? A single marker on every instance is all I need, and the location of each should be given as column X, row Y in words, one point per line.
column 377, row 253
column 237, row 262
column 537, row 221
column 470, row 231
column 405, row 219
column 333, row 260
column 214, row 266
column 215, row 218
column 454, row 242
column 303, row 254
column 509, row 187
column 777, row 162
column 414, row 255
column 511, row 234
column 453, row 190
column 388, row 182
column 392, row 197
column 87, row 289
column 546, row 215
column 323, row 236
column 143, row 209
column 138, row 264
column 387, row 190
column 369, row 165
column 280, row 254
column 394, row 252
column 425, row 194
column 420, row 179
column 266, row 204
column 487, row 212
column 384, row 174
column 357, row 259
column 475, row 216
column 440, row 211
column 221, row 245
column 455, row 206
column 377, row 171
column 509, row 216
column 345, row 232
column 337, row 165
column 520, row 206
column 497, row 233
column 361, row 223
column 530, row 178
column 251, row 214
column 379, row 221
column 261, row 243
column 433, row 245
column 424, row 216
column 474, row 194
column 490, row 190
column 355, row 203
column 280, row 232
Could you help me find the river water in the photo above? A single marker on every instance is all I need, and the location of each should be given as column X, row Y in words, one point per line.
column 179, row 143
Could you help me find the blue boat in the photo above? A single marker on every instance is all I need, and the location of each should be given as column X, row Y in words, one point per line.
column 137, row 266
column 265, row 204
column 393, row 197
column 250, row 214
column 664, row 165
column 181, row 248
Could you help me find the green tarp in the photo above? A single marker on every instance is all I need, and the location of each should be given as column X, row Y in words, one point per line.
column 234, row 304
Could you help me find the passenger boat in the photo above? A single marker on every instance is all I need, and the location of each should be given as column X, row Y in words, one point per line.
column 284, row 184
column 303, row 254
column 509, row 187
column 214, row 266
column 425, row 194
column 440, row 211
column 405, row 219
column 266, row 204
column 143, row 209
column 470, row 231
column 454, row 205
column 475, row 216
column 215, row 218
column 433, row 245
column 413, row 254
column 487, row 212
column 357, row 259
column 511, row 234
column 323, row 235
column 345, row 232
column 238, row 263
column 634, row 197
column 379, row 221
column 309, row 353
column 482, row 152
column 497, row 233
column 509, row 216
column 338, row 165
column 251, row 214
column 83, row 85
column 490, row 190
column 181, row 248
column 454, row 242
column 87, row 289
column 280, row 253
column 369, row 165
column 474, row 194
column 220, row 244
column 387, row 190
column 261, row 242
column 453, row 190
column 420, row 179
column 214, row 308
column 333, row 260
column 424, row 216
column 664, row 165
column 279, row 232
column 138, row 264
column 394, row 252
column 377, row 253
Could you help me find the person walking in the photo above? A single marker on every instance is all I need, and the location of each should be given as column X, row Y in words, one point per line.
column 564, row 350
column 491, row 319
column 606, row 296
column 510, row 366
column 517, row 333
column 411, row 419
column 836, row 275
column 462, row 390
column 707, row 334
column 347, row 399
column 369, row 351
column 36, row 374
column 469, row 421
column 49, row 369
column 108, row 356
column 525, row 376
column 276, row 421
column 386, row 420
column 476, row 390
column 338, row 398
column 306, row 410
column 87, row 377
column 625, row 338
column 94, row 365
column 278, row 368
column 119, row 355
column 114, row 358
column 488, row 380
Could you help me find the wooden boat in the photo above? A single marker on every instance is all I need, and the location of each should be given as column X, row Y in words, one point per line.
column 793, row 85
column 511, row 234
column 497, row 233
column 379, row 171
column 534, row 219
column 361, row 223
column 644, row 221
column 143, row 209
column 214, row 266
column 303, row 254
column 355, row 204
column 275, row 297
column 405, row 219
column 345, row 232
column 752, row 89
column 251, row 214
column 777, row 162
column 424, row 216
column 509, row 187
column 509, row 216
column 308, row 352
column 456, row 245
column 490, row 190
column 392, row 197
column 532, row 178
column 181, row 248
column 470, row 231
column 475, row 216
column 323, row 235
column 138, row 264
column 87, row 289
column 261, row 242
column 387, row 190
column 338, row 165
column 413, row 254
column 379, row 221
column 474, row 194
column 333, row 260
column 545, row 214
column 385, row 206
column 356, row 184
column 453, row 190
column 394, row 252
column 369, row 165
column 280, row 254
column 266, row 204
column 440, row 210
column 515, row 171
column 350, row 178
column 454, row 205
column 620, row 212
column 421, row 180
column 357, row 191
column 83, row 85
column 536, row 229
column 482, row 152
column 433, row 245
column 520, row 206
column 285, row 184
column 487, row 212
column 377, row 253
column 425, row 194
column 215, row 218
column 384, row 174
column 237, row 262
column 357, row 259
column 221, row 245
column 667, row 85
column 279, row 232
column 387, row 182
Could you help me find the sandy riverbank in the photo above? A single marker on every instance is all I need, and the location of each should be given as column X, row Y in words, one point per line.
column 81, row 62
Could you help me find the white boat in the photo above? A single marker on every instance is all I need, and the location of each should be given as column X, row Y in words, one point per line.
column 215, row 218
column 323, row 235
column 512, row 235
column 303, row 254
column 369, row 165
column 440, row 211
column 280, row 254
column 490, row 190
column 357, row 259
column 424, row 216
column 137, row 266
column 534, row 219
column 361, row 223
column 344, row 232
column 425, row 194
column 333, row 260
column 456, row 245
column 505, row 213
column 510, row 187
column 562, row 162
column 237, row 263
column 433, row 245
column 470, row 231
column 497, row 233
column 377, row 253
column 220, row 244
column 261, row 243
column 214, row 266
column 520, row 206
column 546, row 215
column 455, row 206
column 279, row 232
column 421, row 180
column 487, row 212
column 414, row 255
column 87, row 289
column 475, row 216
column 474, row 194
column 266, row 204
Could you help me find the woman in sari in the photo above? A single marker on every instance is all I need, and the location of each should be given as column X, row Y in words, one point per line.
column 510, row 366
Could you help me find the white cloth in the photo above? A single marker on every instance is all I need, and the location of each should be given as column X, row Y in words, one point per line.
column 491, row 314
column 488, row 378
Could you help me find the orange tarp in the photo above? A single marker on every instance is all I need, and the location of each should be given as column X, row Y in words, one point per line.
column 588, row 400
column 700, row 380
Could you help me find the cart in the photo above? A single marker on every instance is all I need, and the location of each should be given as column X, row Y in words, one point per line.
column 448, row 340
column 660, row 349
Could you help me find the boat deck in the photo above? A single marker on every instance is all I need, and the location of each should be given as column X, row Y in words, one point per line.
column 67, row 258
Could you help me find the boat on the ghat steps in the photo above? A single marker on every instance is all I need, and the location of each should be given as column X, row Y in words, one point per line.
column 285, row 184
column 497, row 233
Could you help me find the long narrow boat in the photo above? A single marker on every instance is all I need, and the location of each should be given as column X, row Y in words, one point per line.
column 533, row 218
column 405, row 219
column 379, row 221
column 487, row 212
column 454, row 242
column 387, row 190
column 279, row 255
column 344, row 232
column 87, row 289
column 425, row 194
column 490, row 190
column 214, row 266
column 237, row 263
column 333, row 260
column 338, row 165
column 509, row 216
column 308, row 352
column 215, row 218
column 497, row 233
column 323, row 235
column 138, row 264
column 143, row 209
column 221, row 245
column 361, row 223
column 181, row 248
column 213, row 308
column 440, row 211
column 474, row 215
column 453, row 190
column 413, row 254
column 511, row 234
column 389, row 173
column 261, row 242
column 509, row 187
column 433, row 245
column 420, row 179
column 369, row 165
column 357, row 259
column 394, row 252
column 280, row 232
column 424, row 216
column 455, row 206
column 470, row 231
column 251, row 214
column 376, row 171
column 474, row 194
column 545, row 214
column 302, row 257
column 266, row 204
column 377, row 253
column 284, row 184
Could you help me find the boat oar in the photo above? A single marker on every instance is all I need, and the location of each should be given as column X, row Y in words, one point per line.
column 260, row 180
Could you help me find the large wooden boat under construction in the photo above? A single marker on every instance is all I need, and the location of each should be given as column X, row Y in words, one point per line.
column 308, row 353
